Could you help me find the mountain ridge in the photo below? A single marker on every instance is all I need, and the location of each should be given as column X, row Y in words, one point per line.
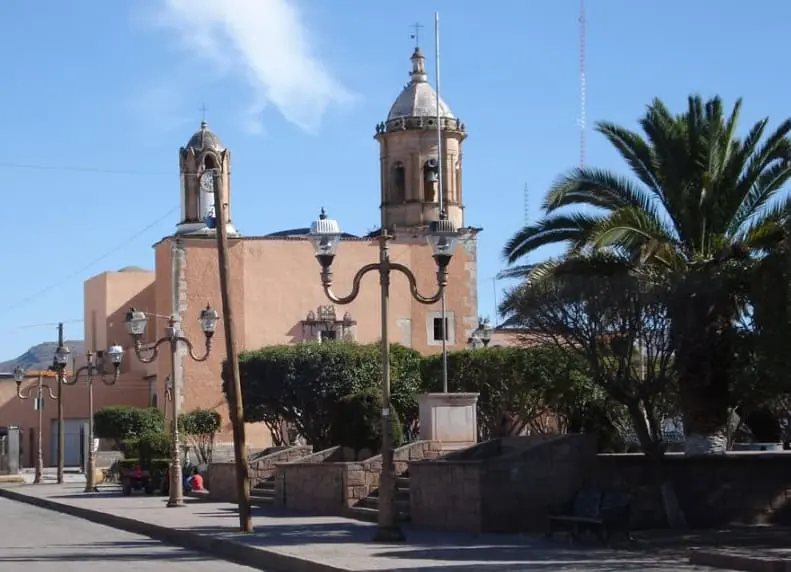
column 39, row 357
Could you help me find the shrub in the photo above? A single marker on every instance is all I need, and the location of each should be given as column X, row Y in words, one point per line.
column 357, row 422
column 123, row 422
column 304, row 384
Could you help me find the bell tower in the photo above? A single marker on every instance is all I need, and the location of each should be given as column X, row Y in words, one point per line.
column 409, row 155
column 203, row 163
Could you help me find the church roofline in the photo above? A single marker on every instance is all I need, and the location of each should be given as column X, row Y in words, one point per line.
column 465, row 231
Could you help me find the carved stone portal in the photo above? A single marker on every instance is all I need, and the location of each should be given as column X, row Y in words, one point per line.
column 324, row 325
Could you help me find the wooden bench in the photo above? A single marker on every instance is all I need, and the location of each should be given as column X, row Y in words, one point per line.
column 600, row 512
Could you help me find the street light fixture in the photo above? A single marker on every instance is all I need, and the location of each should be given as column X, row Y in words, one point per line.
column 136, row 322
column 38, row 392
column 93, row 369
column 325, row 234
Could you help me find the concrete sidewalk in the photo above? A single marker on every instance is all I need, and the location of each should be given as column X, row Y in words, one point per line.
column 297, row 542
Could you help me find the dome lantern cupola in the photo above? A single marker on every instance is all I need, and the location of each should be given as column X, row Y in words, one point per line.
column 410, row 157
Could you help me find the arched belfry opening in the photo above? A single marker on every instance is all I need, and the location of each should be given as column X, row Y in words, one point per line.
column 205, row 167
column 410, row 159
column 398, row 181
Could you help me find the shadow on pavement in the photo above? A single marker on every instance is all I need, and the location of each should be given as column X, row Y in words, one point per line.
column 121, row 551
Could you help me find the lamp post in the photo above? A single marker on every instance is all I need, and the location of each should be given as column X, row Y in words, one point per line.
column 482, row 334
column 136, row 326
column 38, row 392
column 95, row 368
column 325, row 234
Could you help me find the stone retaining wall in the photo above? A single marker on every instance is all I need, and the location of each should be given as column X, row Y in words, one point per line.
column 331, row 481
column 222, row 476
column 713, row 491
column 504, row 485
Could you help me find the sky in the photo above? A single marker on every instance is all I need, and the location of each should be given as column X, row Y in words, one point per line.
column 97, row 98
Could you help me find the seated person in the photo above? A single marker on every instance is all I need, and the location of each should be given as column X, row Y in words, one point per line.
column 194, row 482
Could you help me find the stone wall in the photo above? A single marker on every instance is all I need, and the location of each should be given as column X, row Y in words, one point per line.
column 221, row 480
column 331, row 481
column 503, row 485
column 264, row 467
column 747, row 488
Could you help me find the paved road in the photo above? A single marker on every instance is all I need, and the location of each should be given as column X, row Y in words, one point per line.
column 37, row 540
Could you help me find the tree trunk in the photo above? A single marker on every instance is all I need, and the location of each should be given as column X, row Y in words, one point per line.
column 654, row 454
column 703, row 340
column 712, row 443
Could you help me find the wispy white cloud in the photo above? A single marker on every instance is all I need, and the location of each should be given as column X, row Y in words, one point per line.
column 267, row 42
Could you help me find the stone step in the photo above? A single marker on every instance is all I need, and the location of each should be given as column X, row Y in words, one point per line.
column 402, row 504
column 267, row 485
column 402, row 482
column 261, row 500
column 399, row 494
column 371, row 514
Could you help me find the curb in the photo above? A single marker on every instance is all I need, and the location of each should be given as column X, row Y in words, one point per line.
column 735, row 561
column 230, row 550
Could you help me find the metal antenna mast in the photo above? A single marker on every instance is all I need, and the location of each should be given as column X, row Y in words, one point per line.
column 526, row 200
column 583, row 87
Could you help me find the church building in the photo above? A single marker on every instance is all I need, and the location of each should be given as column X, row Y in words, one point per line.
column 275, row 284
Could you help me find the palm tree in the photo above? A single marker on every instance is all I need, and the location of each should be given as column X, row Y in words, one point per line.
column 702, row 206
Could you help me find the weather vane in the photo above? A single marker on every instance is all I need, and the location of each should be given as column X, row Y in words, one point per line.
column 416, row 34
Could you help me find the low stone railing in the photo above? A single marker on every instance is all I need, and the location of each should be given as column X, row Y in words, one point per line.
column 222, row 476
column 331, row 481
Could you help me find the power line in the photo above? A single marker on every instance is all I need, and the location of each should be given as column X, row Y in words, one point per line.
column 89, row 265
column 89, row 169
column 77, row 169
column 45, row 324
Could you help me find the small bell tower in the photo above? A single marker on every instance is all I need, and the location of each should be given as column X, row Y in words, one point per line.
column 409, row 155
column 203, row 163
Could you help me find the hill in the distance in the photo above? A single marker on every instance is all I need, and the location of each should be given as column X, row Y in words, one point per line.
column 39, row 357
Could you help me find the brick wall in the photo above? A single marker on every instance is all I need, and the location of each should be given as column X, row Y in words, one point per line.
column 499, row 486
column 748, row 488
column 330, row 481
column 221, row 480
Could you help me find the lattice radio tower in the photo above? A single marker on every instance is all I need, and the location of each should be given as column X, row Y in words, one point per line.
column 583, row 87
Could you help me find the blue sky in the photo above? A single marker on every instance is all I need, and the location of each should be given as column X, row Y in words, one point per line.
column 98, row 96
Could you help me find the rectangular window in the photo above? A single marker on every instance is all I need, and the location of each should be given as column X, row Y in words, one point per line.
column 328, row 335
column 435, row 332
column 439, row 331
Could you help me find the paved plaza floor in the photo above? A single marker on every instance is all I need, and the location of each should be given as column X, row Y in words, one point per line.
column 306, row 542
column 34, row 539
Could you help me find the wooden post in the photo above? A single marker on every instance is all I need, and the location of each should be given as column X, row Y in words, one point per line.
column 61, row 432
column 235, row 393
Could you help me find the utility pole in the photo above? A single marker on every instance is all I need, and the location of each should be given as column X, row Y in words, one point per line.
column 236, row 405
column 61, row 436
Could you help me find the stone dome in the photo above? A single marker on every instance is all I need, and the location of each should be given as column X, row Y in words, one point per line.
column 205, row 138
column 418, row 99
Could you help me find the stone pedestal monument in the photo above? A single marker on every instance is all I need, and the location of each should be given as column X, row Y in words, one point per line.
column 450, row 418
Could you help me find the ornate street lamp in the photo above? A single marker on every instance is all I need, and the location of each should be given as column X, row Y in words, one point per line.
column 38, row 392
column 442, row 236
column 91, row 370
column 136, row 322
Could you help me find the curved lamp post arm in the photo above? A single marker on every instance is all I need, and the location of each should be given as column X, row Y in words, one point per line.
column 34, row 389
column 93, row 372
column 191, row 348
column 442, row 280
column 326, row 280
column 152, row 351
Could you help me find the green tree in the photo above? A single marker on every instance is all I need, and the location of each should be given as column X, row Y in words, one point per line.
column 201, row 425
column 303, row 384
column 122, row 422
column 702, row 208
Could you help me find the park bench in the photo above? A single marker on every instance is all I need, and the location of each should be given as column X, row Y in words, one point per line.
column 602, row 512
